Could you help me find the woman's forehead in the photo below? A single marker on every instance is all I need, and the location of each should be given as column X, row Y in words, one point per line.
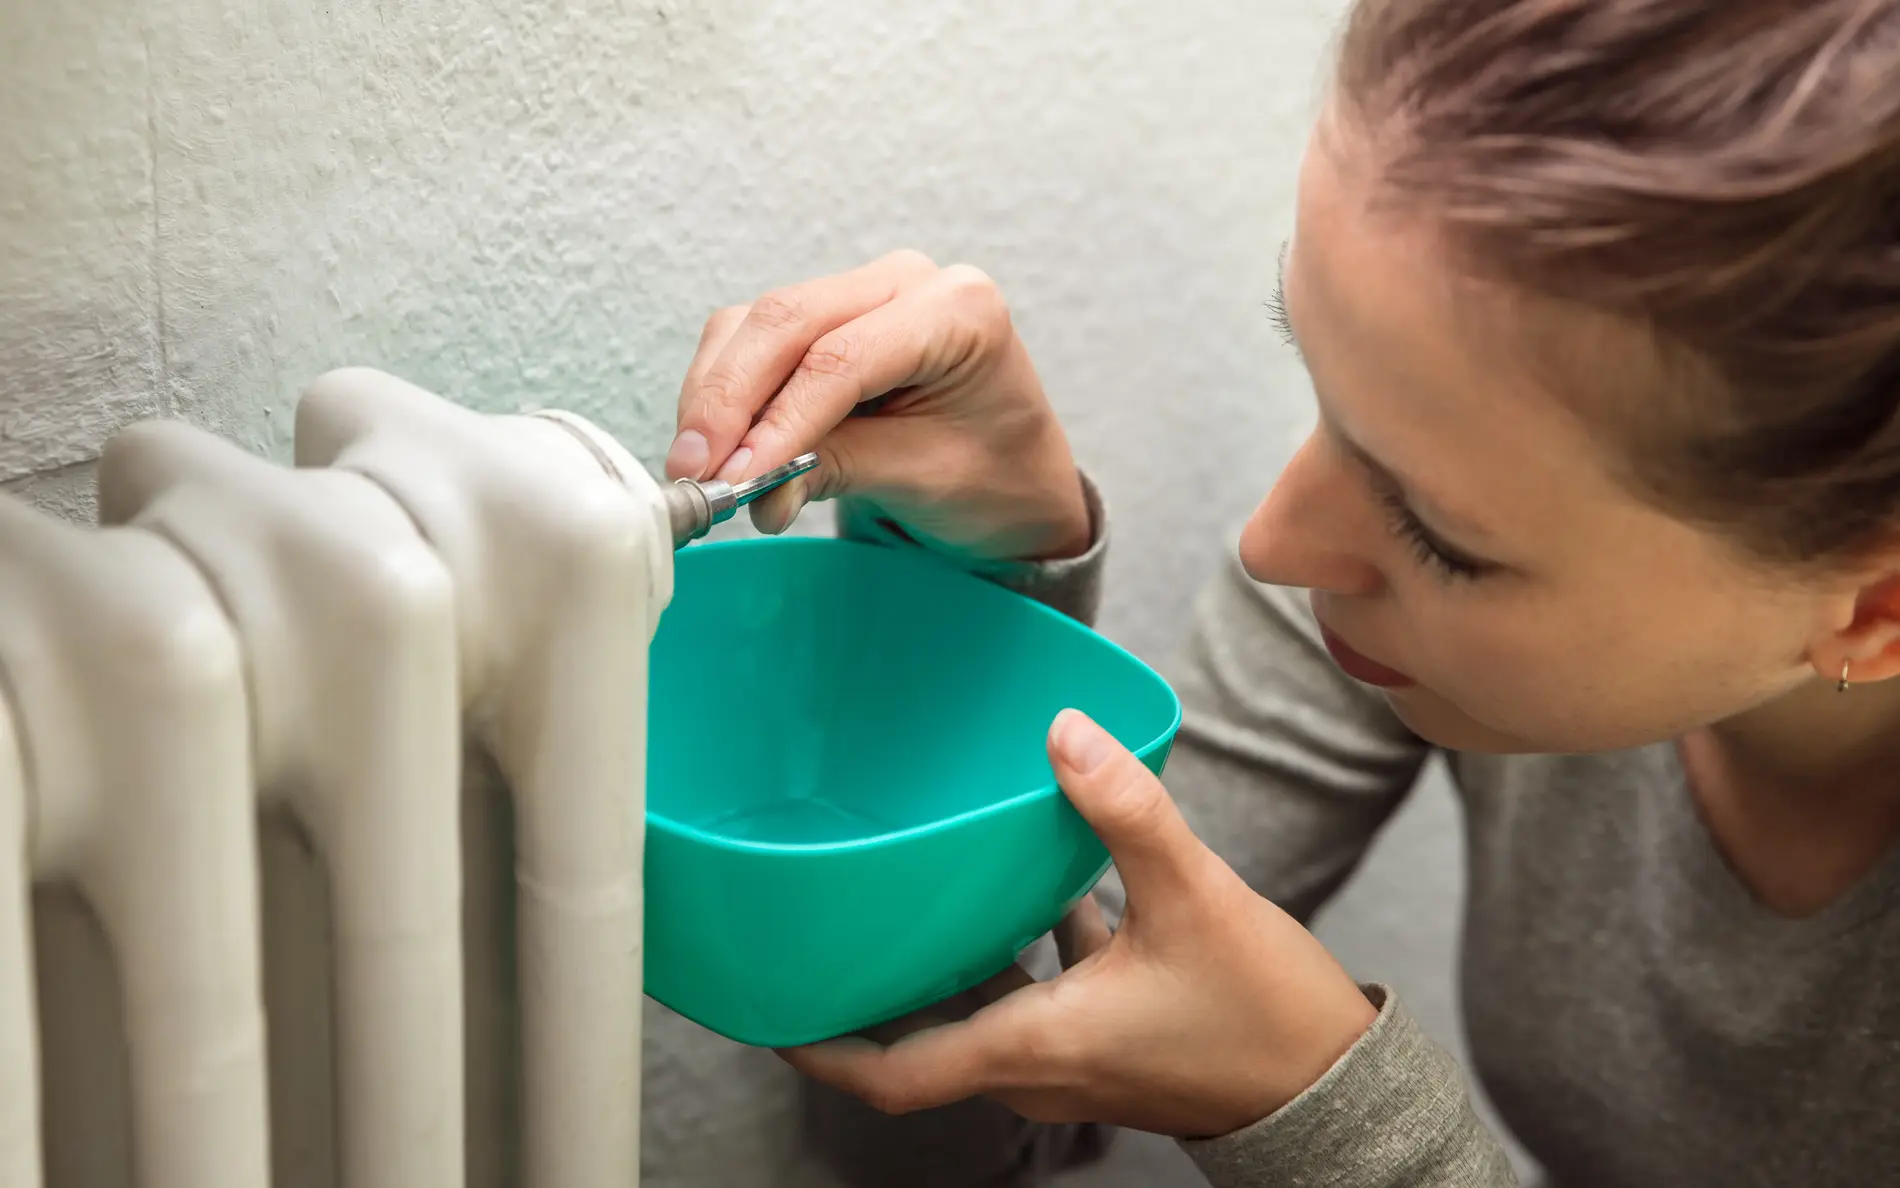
column 1433, row 370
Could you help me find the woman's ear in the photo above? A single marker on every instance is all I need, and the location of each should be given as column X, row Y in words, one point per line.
column 1867, row 649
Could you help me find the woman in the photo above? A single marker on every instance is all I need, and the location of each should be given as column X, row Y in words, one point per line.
column 1601, row 304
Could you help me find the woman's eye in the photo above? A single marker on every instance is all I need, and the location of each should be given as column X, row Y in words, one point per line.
column 1431, row 552
column 1276, row 313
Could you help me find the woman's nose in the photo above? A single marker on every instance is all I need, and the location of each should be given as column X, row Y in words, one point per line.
column 1309, row 529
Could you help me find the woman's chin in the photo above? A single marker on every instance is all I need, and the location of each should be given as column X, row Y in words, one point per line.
column 1444, row 725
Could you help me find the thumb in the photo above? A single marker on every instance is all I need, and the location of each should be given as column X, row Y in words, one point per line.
column 1126, row 805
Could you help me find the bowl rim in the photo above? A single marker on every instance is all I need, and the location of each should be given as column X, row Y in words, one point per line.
column 656, row 820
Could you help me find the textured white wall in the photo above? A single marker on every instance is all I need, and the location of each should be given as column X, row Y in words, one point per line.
column 204, row 204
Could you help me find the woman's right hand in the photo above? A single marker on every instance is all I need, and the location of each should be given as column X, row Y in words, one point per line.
column 910, row 383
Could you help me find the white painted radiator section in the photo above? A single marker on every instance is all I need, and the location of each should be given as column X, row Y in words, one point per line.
column 322, row 803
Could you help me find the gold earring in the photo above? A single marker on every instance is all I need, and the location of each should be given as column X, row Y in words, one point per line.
column 1846, row 666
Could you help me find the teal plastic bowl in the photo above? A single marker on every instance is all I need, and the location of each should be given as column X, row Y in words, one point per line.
column 850, row 809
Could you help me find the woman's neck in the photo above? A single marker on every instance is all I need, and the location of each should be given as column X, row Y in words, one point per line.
column 1817, row 744
column 1801, row 796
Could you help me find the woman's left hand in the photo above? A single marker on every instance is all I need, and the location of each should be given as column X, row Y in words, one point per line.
column 1207, row 1010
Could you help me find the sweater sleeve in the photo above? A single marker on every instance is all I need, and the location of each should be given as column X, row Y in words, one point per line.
column 1072, row 586
column 1392, row 1112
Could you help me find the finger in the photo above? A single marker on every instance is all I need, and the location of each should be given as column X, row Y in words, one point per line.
column 1126, row 805
column 923, row 1071
column 713, row 340
column 774, row 512
column 954, row 1009
column 863, row 455
column 774, row 335
column 937, row 1066
column 916, row 338
column 690, row 454
column 1082, row 933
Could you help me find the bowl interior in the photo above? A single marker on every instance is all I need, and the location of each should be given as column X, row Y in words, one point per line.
column 812, row 692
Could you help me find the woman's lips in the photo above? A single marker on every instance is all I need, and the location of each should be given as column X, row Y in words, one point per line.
column 1363, row 668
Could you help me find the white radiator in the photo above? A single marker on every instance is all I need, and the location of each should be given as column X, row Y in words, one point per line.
column 321, row 806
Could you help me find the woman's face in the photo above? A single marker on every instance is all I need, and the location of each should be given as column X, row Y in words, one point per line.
column 1462, row 529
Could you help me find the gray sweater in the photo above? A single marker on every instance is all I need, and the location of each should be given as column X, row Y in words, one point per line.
column 1636, row 1017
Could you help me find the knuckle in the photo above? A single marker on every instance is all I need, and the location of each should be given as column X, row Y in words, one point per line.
column 779, row 311
column 976, row 294
column 835, row 356
column 1136, row 800
column 972, row 283
column 721, row 395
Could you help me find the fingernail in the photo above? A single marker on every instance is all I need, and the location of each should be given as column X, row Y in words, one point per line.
column 689, row 455
column 734, row 469
column 1084, row 745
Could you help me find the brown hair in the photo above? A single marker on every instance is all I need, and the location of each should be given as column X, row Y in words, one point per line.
column 1724, row 172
